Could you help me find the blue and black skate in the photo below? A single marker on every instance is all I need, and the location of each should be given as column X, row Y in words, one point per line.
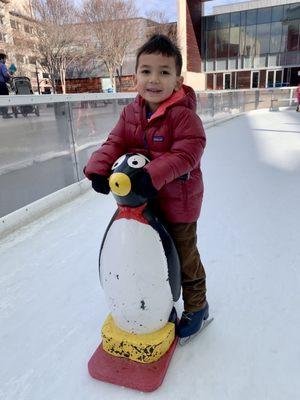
column 192, row 323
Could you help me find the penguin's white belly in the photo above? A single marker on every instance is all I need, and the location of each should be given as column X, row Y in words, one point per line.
column 134, row 276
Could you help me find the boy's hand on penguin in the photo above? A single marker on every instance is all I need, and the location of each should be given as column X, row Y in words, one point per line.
column 100, row 183
column 142, row 184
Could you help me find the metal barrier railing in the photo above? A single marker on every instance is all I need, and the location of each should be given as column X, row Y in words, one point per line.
column 46, row 140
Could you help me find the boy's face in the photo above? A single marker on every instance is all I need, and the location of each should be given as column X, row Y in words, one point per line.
column 156, row 78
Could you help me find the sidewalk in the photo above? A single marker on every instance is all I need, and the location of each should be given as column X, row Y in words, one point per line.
column 52, row 307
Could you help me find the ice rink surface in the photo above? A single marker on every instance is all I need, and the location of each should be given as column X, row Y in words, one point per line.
column 52, row 307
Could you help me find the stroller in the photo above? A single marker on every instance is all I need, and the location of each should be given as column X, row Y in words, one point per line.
column 22, row 85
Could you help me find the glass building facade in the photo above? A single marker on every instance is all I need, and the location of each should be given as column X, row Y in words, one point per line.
column 252, row 48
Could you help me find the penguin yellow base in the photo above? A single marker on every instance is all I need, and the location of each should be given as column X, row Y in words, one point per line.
column 143, row 348
column 125, row 372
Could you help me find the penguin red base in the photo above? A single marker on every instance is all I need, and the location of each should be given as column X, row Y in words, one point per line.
column 128, row 373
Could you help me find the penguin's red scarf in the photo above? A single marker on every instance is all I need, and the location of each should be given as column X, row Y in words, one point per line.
column 132, row 213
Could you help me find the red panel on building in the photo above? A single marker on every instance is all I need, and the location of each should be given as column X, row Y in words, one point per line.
column 210, row 81
column 193, row 31
column 243, row 79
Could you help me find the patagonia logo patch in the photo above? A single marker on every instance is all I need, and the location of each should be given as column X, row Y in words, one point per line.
column 158, row 138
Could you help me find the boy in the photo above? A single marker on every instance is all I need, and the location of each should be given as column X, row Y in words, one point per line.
column 162, row 124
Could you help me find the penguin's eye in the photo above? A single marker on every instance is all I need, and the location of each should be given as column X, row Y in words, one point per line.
column 119, row 161
column 137, row 161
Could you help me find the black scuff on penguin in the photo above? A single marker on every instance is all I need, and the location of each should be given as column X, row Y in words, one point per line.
column 138, row 250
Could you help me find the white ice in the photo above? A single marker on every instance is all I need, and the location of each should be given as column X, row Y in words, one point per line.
column 52, row 306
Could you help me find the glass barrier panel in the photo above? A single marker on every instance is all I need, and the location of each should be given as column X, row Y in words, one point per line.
column 35, row 153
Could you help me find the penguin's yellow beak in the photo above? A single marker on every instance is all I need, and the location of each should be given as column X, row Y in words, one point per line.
column 119, row 184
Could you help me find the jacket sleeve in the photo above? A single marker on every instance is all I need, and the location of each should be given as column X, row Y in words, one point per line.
column 188, row 145
column 4, row 72
column 102, row 159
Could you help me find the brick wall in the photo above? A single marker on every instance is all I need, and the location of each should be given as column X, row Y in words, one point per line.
column 82, row 85
column 127, row 84
column 93, row 85
column 193, row 28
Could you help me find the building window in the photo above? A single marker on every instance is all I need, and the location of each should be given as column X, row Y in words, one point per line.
column 263, row 39
column 278, row 78
column 28, row 29
column 227, row 81
column 277, row 13
column 235, row 19
column 221, row 64
column 292, row 37
column 270, row 79
column 2, row 37
column 292, row 12
column 45, row 75
column 284, row 35
column 222, row 43
column 234, row 42
column 14, row 24
column 275, row 37
column 211, row 22
column 254, row 79
column 223, row 21
column 209, row 65
column 243, row 18
column 264, row 15
column 242, row 40
column 211, row 44
column 259, row 62
column 251, row 17
column 232, row 63
column 247, row 64
column 32, row 60
column 250, row 41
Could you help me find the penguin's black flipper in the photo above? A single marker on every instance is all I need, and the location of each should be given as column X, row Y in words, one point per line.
column 174, row 268
column 103, row 240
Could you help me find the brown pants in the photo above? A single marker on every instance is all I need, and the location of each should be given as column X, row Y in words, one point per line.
column 192, row 271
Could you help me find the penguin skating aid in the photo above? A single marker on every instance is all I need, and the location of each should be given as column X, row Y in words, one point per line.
column 140, row 274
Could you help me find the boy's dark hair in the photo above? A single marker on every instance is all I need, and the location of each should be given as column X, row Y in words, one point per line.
column 161, row 44
column 2, row 56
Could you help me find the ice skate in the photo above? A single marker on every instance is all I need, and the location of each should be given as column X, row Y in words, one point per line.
column 192, row 323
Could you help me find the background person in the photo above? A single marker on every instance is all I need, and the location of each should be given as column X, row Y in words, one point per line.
column 5, row 76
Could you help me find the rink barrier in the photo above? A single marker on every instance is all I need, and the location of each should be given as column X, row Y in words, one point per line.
column 56, row 158
column 31, row 212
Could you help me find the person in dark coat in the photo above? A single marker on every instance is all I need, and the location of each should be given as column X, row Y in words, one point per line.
column 162, row 124
column 4, row 78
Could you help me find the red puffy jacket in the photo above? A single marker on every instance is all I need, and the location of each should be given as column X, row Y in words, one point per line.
column 174, row 141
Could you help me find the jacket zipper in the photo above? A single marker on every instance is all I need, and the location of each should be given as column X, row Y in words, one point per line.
column 145, row 141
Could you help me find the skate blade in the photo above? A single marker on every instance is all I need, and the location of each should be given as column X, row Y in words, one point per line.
column 185, row 340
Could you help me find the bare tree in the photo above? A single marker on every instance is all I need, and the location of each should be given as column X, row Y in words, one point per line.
column 114, row 30
column 161, row 25
column 57, row 37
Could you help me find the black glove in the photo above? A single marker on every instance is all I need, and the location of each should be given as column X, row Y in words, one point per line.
column 142, row 185
column 100, row 183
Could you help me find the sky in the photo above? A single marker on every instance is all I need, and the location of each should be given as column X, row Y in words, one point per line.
column 169, row 6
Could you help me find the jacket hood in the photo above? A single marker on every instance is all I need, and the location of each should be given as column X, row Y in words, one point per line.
column 185, row 97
